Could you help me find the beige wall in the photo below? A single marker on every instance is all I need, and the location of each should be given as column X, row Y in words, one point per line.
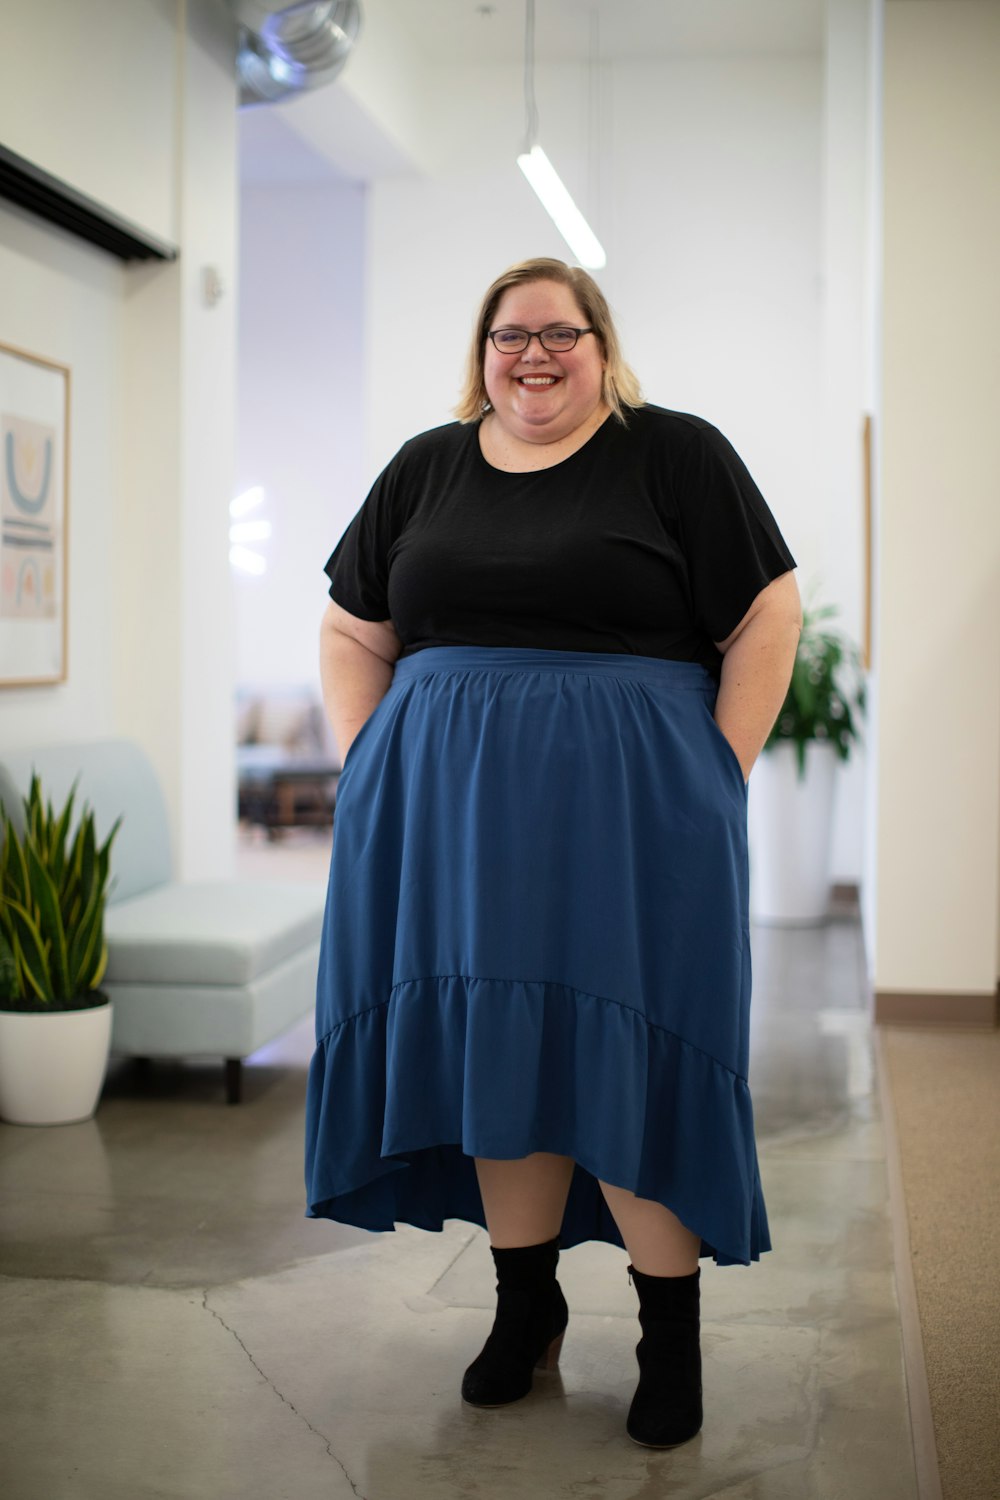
column 938, row 620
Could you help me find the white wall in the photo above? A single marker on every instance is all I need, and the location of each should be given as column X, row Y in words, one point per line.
column 847, row 376
column 208, row 217
column 938, row 894
column 301, row 408
column 153, row 382
column 707, row 191
column 710, row 188
column 873, row 402
column 62, row 299
column 732, row 194
column 89, row 96
column 716, row 257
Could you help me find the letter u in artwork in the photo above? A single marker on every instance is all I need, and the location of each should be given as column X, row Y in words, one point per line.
column 28, row 533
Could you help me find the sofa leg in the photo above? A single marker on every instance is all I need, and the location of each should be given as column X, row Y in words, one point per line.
column 234, row 1080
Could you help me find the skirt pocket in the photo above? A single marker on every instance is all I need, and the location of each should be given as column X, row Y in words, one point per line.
column 725, row 749
column 366, row 730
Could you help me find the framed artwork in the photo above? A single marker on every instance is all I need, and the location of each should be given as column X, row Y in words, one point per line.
column 34, row 470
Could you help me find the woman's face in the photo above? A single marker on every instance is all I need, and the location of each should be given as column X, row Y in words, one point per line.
column 539, row 397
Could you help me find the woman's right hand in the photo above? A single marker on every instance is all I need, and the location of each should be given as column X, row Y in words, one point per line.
column 357, row 661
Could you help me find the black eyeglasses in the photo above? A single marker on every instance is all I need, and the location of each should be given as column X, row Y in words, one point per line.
column 516, row 340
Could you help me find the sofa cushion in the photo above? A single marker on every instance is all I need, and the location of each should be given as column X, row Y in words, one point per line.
column 117, row 778
column 210, row 932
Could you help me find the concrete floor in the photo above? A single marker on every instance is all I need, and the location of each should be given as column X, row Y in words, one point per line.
column 173, row 1327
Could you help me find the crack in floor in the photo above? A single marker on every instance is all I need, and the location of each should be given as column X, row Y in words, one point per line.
column 455, row 1258
column 281, row 1397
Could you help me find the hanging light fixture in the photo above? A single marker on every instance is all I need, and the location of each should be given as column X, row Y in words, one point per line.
column 555, row 197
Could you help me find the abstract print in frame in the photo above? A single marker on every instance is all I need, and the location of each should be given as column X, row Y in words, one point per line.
column 34, row 442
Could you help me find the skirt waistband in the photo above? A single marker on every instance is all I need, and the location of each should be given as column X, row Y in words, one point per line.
column 690, row 675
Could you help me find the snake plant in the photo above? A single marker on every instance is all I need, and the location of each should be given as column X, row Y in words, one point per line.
column 53, row 889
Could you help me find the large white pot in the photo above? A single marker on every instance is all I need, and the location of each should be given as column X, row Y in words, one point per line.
column 53, row 1064
column 791, row 831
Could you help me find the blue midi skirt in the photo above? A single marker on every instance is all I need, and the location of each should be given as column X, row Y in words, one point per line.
column 536, row 939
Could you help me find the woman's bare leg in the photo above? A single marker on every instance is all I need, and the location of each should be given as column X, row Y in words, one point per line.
column 524, row 1199
column 657, row 1242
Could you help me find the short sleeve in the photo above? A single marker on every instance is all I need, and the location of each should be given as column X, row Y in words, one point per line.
column 731, row 541
column 358, row 567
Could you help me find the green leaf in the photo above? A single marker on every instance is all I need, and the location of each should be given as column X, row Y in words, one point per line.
column 825, row 689
column 50, row 925
column 23, row 986
column 104, row 854
column 17, row 886
column 76, row 852
column 6, row 918
column 53, row 887
column 7, row 827
column 10, row 988
column 35, row 823
column 57, row 840
column 89, row 856
column 86, row 945
column 33, row 956
column 99, row 967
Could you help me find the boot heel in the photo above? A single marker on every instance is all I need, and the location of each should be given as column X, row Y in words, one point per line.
column 549, row 1358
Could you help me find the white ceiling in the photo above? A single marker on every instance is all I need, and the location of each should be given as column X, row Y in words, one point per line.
column 335, row 132
column 484, row 31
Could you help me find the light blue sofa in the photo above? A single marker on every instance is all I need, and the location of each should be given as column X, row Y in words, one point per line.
column 208, row 968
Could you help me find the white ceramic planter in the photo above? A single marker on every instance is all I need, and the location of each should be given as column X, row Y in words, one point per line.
column 791, row 831
column 53, row 1065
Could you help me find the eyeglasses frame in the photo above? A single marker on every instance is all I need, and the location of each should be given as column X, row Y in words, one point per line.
column 536, row 333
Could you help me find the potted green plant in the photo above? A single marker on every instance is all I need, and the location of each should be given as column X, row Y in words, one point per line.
column 826, row 695
column 55, row 1023
column 793, row 786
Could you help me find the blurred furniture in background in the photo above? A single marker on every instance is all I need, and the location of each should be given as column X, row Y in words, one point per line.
column 286, row 761
column 195, row 968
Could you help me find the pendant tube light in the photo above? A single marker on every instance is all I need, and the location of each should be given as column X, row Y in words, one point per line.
column 552, row 192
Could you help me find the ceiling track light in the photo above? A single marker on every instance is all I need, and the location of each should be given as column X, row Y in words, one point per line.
column 552, row 192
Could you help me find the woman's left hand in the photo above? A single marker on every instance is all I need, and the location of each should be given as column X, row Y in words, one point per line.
column 757, row 660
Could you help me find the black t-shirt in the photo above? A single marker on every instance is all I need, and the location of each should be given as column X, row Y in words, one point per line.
column 652, row 539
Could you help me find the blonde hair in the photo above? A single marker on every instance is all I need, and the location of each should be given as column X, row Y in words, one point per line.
column 619, row 387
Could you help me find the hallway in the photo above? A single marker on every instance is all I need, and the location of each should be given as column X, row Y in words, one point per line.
column 175, row 1328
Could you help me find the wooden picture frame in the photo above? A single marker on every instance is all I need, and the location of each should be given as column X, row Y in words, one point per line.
column 34, row 515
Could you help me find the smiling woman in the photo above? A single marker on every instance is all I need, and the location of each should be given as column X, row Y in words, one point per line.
column 533, row 998
column 540, row 398
column 619, row 386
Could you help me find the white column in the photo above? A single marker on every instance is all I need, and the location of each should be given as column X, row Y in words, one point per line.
column 845, row 215
column 173, row 668
column 938, row 831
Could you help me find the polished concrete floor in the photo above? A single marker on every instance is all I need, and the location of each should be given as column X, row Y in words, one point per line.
column 173, row 1327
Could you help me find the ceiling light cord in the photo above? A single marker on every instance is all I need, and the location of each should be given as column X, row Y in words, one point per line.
column 594, row 116
column 530, row 103
column 552, row 192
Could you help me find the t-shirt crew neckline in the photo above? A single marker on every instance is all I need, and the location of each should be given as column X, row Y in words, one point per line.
column 549, row 468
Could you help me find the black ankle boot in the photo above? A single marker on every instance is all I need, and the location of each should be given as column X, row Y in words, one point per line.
column 666, row 1408
column 528, row 1331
